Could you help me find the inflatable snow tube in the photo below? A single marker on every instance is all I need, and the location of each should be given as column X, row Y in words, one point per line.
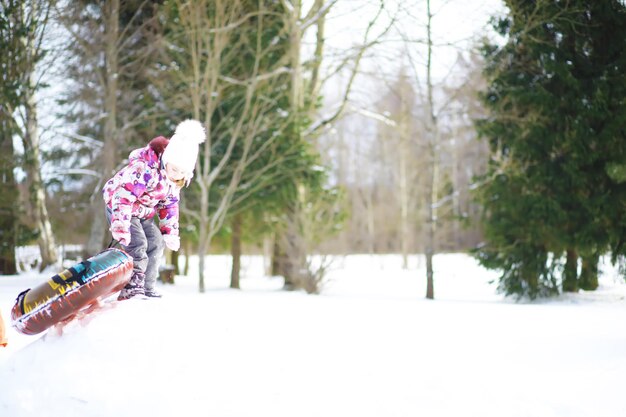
column 68, row 292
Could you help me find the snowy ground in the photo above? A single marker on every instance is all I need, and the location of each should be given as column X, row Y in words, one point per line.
column 370, row 346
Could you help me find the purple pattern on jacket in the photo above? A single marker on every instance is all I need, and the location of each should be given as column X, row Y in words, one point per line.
column 141, row 189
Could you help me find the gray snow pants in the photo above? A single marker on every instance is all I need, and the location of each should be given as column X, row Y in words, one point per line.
column 146, row 247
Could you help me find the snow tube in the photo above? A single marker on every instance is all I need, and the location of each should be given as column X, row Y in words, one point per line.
column 67, row 293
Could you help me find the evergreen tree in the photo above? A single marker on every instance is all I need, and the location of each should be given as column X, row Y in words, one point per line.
column 557, row 122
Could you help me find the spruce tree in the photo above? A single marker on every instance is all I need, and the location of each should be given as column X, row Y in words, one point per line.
column 557, row 122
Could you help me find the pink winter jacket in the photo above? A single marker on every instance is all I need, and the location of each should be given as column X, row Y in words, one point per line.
column 142, row 189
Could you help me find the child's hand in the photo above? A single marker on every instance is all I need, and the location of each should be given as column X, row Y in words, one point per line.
column 172, row 242
column 120, row 234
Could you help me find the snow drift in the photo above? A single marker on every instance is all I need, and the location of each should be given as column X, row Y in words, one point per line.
column 371, row 345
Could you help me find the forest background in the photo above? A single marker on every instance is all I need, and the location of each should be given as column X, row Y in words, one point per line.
column 334, row 127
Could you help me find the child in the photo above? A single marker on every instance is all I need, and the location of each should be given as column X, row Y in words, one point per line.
column 150, row 184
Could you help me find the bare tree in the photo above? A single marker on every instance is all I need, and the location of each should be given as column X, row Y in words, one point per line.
column 399, row 133
column 211, row 44
column 433, row 188
column 302, row 99
column 424, row 150
column 433, row 133
column 314, row 217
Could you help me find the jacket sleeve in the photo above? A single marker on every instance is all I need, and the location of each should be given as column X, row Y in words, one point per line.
column 132, row 184
column 167, row 211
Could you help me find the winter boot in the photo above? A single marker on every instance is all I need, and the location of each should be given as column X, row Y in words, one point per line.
column 134, row 288
column 152, row 293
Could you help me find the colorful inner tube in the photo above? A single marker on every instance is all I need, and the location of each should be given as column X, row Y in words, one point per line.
column 68, row 292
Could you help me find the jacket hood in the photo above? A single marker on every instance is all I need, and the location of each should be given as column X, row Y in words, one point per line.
column 149, row 154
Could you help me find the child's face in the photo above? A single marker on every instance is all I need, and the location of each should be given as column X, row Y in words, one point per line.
column 174, row 173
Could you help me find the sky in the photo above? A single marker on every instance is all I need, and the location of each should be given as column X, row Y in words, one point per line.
column 457, row 26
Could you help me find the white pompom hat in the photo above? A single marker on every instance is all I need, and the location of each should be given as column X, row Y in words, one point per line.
column 182, row 151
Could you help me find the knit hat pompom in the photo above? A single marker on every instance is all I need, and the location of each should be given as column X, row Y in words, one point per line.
column 182, row 150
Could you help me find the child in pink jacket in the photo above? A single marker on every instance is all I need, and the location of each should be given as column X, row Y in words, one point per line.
column 150, row 184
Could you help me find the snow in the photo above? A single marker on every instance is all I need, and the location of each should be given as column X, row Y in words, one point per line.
column 370, row 345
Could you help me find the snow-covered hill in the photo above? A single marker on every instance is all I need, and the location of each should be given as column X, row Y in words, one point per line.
column 371, row 345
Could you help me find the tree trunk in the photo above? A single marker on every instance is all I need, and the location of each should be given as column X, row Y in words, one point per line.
column 456, row 192
column 371, row 222
column 268, row 245
column 8, row 204
column 201, row 260
column 111, row 92
column 203, row 234
column 295, row 40
column 286, row 252
column 530, row 277
column 202, row 249
column 430, row 282
column 187, row 255
column 433, row 167
column 285, row 256
column 37, row 193
column 276, row 258
column 570, row 274
column 405, row 232
column 98, row 234
column 235, row 250
column 174, row 260
column 589, row 273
